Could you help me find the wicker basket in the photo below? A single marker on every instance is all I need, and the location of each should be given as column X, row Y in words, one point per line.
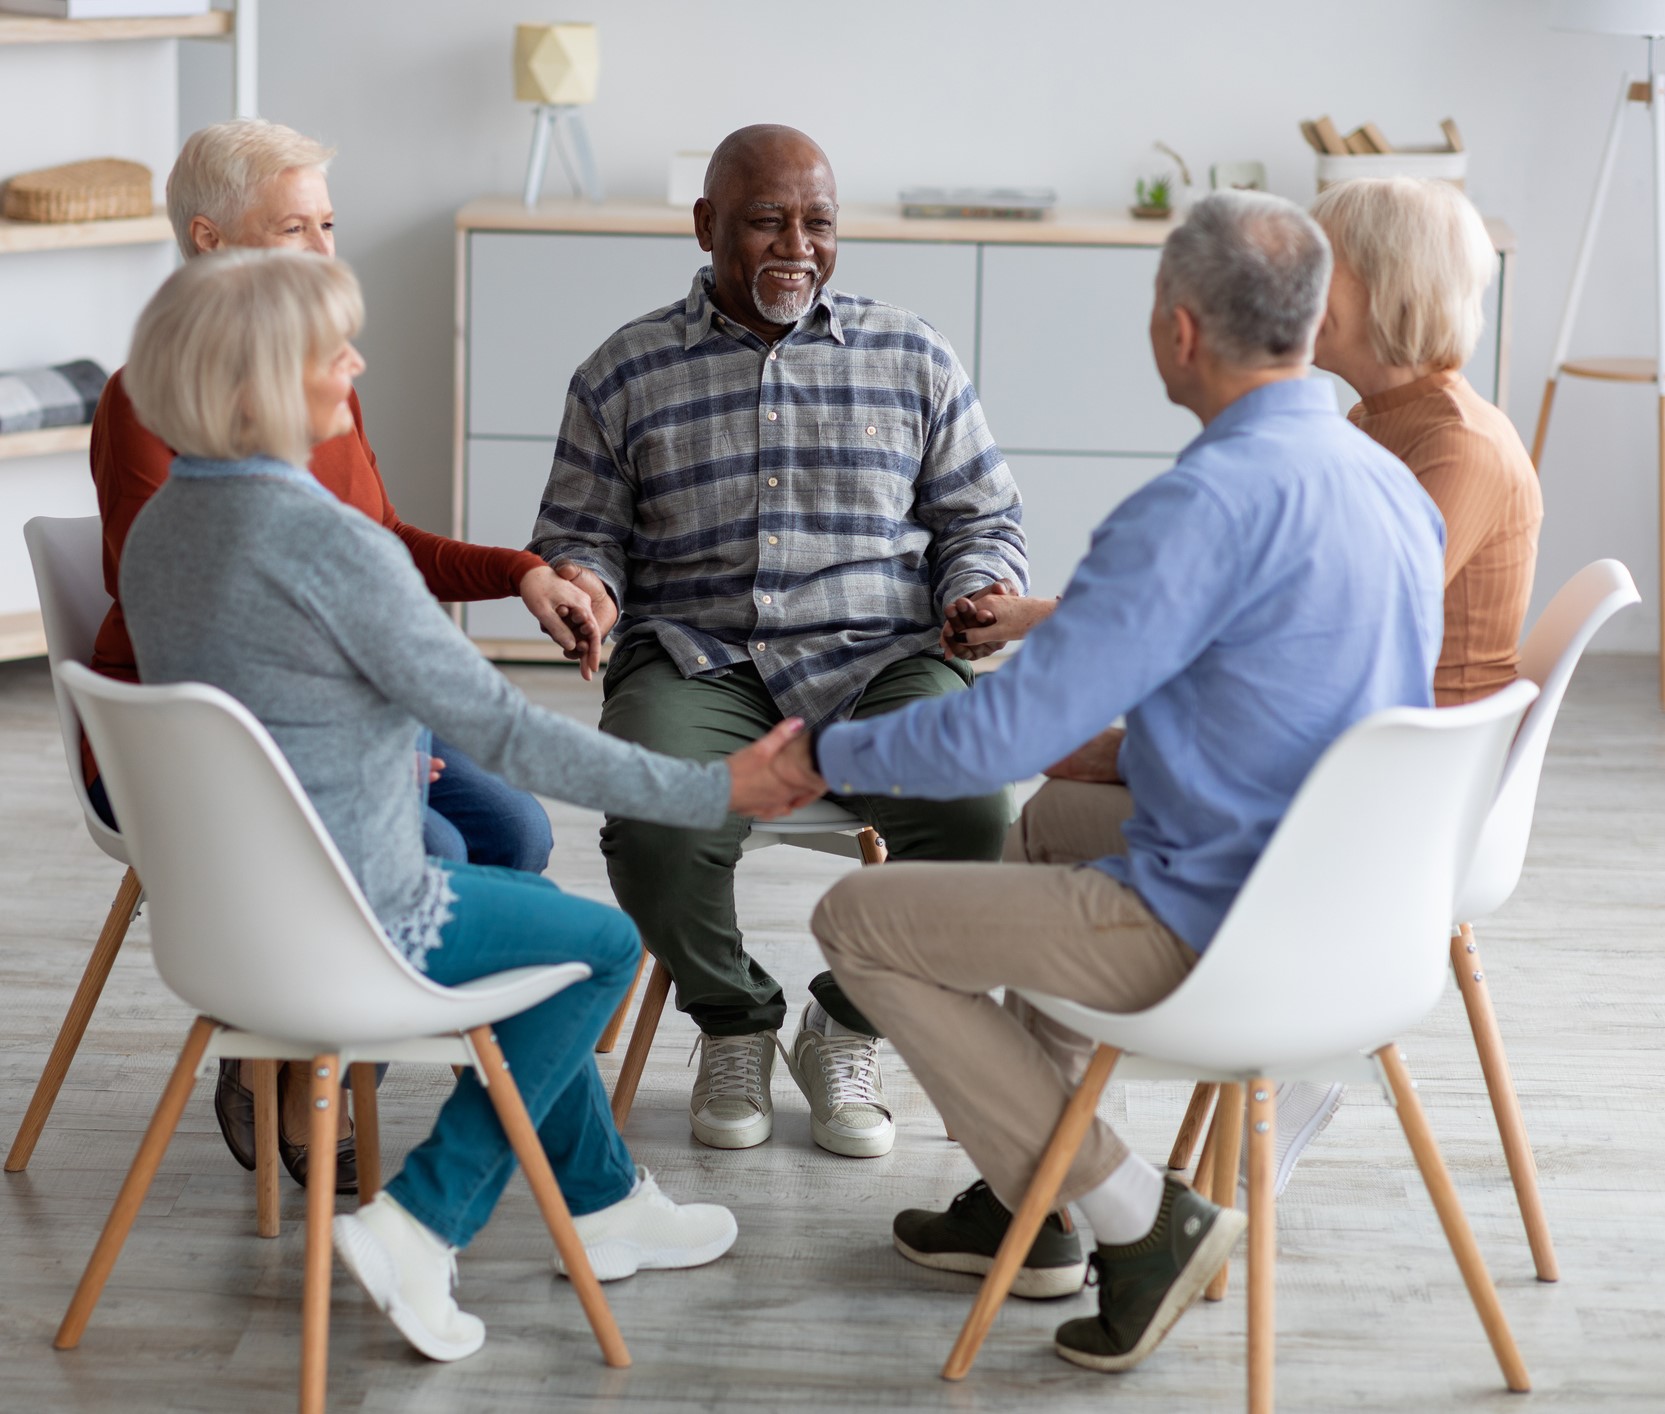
column 104, row 189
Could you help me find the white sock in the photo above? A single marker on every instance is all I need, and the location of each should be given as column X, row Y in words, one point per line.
column 816, row 1019
column 1124, row 1207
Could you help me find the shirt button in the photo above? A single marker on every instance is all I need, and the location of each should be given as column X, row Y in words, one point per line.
column 700, row 659
column 774, row 481
column 773, row 416
column 846, row 788
column 773, row 355
column 768, row 598
column 762, row 647
column 774, row 540
column 871, row 431
column 896, row 790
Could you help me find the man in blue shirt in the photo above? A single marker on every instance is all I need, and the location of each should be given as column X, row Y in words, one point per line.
column 1282, row 581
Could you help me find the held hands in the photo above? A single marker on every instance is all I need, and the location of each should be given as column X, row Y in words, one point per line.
column 985, row 622
column 1095, row 762
column 774, row 775
column 566, row 612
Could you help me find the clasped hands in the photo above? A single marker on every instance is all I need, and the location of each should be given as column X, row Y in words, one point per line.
column 573, row 607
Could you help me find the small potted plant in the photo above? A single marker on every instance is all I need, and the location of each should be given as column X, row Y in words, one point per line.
column 1155, row 196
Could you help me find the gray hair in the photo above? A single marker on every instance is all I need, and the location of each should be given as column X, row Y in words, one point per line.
column 1254, row 271
column 221, row 167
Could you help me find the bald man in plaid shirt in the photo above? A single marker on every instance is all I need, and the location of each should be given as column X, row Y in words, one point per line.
column 776, row 491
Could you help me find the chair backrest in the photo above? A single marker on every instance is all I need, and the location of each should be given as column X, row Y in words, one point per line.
column 1549, row 655
column 255, row 919
column 1338, row 941
column 67, row 556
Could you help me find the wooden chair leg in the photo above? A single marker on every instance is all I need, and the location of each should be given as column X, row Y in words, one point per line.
column 610, row 1037
column 367, row 1133
column 1202, row 1177
column 1500, row 1085
column 103, row 958
column 1228, row 1125
column 1263, row 1246
column 133, row 1189
column 641, row 1039
column 266, row 1147
column 517, row 1124
column 1539, row 436
column 1038, row 1201
column 1191, row 1127
column 320, row 1213
column 1457, row 1231
column 873, row 848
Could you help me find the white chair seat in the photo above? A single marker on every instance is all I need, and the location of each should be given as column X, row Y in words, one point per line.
column 817, row 817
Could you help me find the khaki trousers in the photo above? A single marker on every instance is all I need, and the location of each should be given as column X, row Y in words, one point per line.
column 920, row 947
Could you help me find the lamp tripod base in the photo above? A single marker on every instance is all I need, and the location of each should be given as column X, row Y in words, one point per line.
column 556, row 119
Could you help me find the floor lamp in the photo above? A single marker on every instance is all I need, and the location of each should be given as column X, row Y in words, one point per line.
column 1637, row 19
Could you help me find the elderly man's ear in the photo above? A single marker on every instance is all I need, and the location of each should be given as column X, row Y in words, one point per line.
column 1186, row 332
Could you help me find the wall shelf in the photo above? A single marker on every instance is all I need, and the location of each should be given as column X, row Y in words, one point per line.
column 19, row 236
column 46, row 441
column 27, row 29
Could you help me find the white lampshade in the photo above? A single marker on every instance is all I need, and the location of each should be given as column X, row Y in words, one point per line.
column 1636, row 18
column 556, row 63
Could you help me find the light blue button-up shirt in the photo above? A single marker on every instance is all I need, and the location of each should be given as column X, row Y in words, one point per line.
column 1283, row 580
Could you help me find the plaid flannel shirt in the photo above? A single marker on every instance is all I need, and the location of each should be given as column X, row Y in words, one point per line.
column 810, row 507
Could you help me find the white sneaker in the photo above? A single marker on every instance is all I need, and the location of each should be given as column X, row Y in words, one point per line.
column 408, row 1271
column 1305, row 1110
column 840, row 1078
column 648, row 1230
column 730, row 1107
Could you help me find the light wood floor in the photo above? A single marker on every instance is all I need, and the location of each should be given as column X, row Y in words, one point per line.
column 813, row 1309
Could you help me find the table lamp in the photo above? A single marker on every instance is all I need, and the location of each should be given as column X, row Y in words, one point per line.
column 556, row 67
column 1633, row 19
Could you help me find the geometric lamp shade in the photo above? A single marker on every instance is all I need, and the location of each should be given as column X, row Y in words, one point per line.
column 556, row 63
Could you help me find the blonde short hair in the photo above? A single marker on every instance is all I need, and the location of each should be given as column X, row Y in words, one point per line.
column 1423, row 255
column 221, row 351
column 221, row 167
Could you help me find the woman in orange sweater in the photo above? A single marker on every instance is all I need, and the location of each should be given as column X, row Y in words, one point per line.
column 252, row 183
column 1412, row 261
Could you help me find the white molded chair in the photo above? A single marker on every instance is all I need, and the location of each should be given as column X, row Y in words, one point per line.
column 1548, row 657
column 821, row 825
column 1334, row 946
column 257, row 924
column 67, row 555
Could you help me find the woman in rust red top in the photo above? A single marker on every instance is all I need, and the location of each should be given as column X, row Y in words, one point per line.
column 1412, row 261
column 254, row 183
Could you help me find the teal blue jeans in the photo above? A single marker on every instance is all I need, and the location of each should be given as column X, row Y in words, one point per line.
column 506, row 918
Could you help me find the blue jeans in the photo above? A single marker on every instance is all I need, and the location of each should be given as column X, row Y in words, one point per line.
column 474, row 817
column 504, row 918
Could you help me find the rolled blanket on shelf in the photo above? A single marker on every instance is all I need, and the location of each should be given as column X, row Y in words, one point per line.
column 64, row 396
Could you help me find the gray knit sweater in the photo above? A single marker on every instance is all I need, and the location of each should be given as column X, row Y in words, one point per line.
column 314, row 618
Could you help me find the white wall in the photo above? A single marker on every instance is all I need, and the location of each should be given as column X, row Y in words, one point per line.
column 418, row 96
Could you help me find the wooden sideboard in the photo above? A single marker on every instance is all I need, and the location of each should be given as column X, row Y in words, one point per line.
column 1049, row 318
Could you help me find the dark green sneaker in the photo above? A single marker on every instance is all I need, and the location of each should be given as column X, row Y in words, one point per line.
column 966, row 1237
column 1145, row 1286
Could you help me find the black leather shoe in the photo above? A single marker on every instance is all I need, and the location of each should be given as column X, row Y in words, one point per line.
column 234, row 1109
column 294, row 1155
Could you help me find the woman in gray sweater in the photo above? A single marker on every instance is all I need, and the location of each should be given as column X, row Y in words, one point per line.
column 244, row 573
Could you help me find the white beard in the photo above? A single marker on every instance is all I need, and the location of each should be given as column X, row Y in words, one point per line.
column 789, row 308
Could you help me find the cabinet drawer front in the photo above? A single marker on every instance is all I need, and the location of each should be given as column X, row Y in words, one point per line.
column 539, row 304
column 1064, row 499
column 1064, row 358
column 934, row 280
column 506, row 477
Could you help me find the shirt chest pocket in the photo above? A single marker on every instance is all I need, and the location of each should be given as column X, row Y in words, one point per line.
column 697, row 487
column 866, row 467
